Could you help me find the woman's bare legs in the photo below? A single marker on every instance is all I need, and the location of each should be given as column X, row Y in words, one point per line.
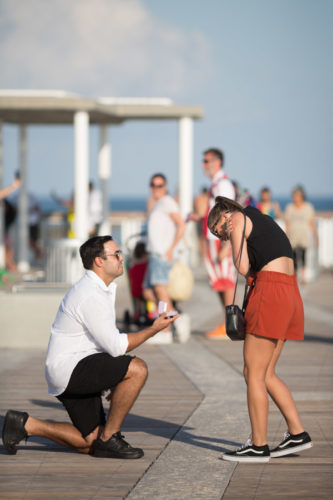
column 281, row 395
column 258, row 352
column 148, row 294
column 260, row 357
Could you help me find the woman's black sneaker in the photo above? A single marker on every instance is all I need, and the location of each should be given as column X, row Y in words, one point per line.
column 116, row 447
column 13, row 430
column 291, row 444
column 248, row 453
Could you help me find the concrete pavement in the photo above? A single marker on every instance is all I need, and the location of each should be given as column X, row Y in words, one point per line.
column 191, row 410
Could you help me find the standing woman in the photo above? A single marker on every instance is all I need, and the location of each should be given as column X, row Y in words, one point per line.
column 300, row 228
column 274, row 313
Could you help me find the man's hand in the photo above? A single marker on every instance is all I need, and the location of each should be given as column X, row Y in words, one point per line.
column 162, row 322
column 194, row 217
column 137, row 338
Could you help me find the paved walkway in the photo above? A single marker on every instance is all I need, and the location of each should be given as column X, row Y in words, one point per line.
column 192, row 408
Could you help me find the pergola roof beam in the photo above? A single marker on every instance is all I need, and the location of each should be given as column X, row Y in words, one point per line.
column 59, row 108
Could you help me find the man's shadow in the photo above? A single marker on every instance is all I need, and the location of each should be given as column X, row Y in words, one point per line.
column 138, row 423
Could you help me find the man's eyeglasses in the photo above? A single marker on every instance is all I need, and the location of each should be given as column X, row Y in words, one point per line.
column 117, row 254
column 206, row 161
column 157, row 186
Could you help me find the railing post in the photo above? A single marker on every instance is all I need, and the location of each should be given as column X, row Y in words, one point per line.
column 23, row 237
column 104, row 172
column 2, row 212
column 81, row 168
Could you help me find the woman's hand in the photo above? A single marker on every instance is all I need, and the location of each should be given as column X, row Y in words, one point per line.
column 169, row 255
column 226, row 229
column 224, row 252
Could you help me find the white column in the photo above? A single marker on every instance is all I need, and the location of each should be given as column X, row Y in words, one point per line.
column 81, row 172
column 23, row 237
column 2, row 212
column 185, row 165
column 104, row 172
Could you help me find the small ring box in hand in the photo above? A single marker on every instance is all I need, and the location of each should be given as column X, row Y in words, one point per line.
column 162, row 307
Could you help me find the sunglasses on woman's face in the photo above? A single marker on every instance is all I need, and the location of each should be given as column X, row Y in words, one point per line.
column 213, row 228
column 213, row 231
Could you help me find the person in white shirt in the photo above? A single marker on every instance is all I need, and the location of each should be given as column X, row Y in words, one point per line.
column 217, row 254
column 87, row 355
column 165, row 230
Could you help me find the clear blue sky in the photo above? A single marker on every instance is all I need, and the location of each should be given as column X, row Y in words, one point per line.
column 261, row 69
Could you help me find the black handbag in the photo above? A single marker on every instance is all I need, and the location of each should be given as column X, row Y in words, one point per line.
column 235, row 322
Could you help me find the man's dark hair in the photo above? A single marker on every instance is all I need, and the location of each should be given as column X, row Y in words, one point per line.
column 217, row 153
column 92, row 248
column 158, row 175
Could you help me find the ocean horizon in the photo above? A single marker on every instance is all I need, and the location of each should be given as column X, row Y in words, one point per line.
column 138, row 204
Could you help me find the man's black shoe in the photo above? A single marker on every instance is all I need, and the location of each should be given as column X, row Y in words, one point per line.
column 116, row 447
column 13, row 430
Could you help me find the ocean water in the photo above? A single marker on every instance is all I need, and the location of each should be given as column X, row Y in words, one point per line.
column 116, row 204
column 138, row 204
column 321, row 204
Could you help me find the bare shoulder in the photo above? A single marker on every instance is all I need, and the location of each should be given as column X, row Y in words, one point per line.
column 238, row 222
column 238, row 219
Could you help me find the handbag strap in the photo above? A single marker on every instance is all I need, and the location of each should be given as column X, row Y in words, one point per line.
column 240, row 257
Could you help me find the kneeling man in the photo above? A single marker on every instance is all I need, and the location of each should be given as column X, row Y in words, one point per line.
column 86, row 356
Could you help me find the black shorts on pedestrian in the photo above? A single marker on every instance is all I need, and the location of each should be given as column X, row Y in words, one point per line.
column 82, row 397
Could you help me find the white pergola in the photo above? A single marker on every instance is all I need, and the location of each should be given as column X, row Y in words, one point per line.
column 36, row 107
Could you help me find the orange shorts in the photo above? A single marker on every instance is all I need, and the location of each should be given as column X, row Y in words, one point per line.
column 275, row 307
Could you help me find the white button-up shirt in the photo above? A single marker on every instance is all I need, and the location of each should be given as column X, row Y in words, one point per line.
column 85, row 324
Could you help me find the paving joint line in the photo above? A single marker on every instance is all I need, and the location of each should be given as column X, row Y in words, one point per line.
column 189, row 463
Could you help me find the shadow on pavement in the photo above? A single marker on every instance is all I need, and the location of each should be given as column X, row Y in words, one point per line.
column 318, row 338
column 49, row 404
column 138, row 423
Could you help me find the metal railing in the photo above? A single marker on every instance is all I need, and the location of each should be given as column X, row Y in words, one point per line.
column 63, row 263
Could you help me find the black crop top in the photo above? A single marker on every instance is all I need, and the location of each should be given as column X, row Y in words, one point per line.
column 267, row 241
